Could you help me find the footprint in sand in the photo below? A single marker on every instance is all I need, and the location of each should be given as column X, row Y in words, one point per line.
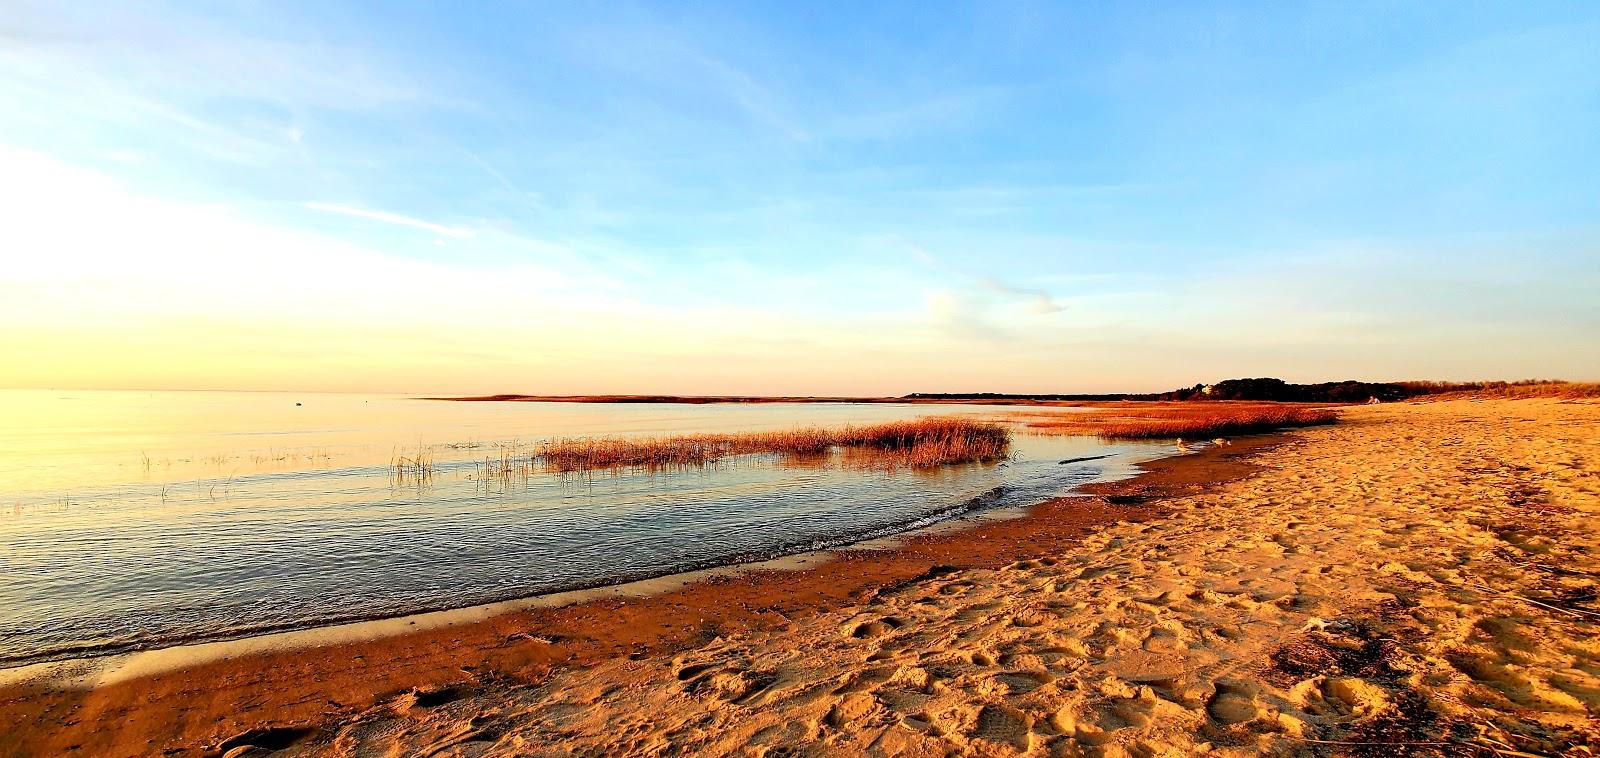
column 734, row 685
column 1164, row 641
column 726, row 680
column 1003, row 725
column 851, row 708
column 1340, row 698
column 1023, row 681
column 981, row 658
column 876, row 628
column 429, row 697
column 1027, row 565
column 1029, row 619
column 1234, row 703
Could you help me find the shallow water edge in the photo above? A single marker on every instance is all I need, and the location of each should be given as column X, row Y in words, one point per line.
column 90, row 672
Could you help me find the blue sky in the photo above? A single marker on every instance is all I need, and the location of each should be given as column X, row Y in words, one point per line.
column 797, row 197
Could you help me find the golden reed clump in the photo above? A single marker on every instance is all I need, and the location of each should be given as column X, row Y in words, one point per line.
column 924, row 442
column 1178, row 419
column 1217, row 422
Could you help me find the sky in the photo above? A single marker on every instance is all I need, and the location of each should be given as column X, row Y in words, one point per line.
column 795, row 198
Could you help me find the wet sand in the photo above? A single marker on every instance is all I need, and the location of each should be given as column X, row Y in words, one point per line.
column 1420, row 576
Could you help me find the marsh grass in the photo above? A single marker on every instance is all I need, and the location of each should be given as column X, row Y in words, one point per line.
column 921, row 443
column 1186, row 420
column 933, row 441
column 1219, row 423
column 1524, row 389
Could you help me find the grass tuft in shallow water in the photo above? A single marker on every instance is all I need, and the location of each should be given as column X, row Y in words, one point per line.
column 413, row 470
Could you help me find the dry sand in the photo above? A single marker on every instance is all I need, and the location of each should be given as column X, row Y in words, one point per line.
column 1421, row 574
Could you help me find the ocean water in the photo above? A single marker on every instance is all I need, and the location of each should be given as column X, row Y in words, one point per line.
column 133, row 520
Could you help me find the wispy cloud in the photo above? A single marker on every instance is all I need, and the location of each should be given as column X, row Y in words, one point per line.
column 189, row 54
column 695, row 70
column 1034, row 300
column 390, row 218
column 1037, row 301
column 750, row 95
column 895, row 119
column 478, row 161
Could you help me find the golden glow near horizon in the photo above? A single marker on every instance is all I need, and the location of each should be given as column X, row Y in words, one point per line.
column 105, row 288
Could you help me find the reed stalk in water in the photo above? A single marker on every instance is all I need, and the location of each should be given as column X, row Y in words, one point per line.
column 416, row 470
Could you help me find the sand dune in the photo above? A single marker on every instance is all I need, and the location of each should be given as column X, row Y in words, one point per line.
column 1418, row 574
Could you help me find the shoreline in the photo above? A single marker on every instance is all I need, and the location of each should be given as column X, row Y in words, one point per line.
column 79, row 666
column 194, row 697
column 1419, row 580
column 775, row 399
column 1036, row 401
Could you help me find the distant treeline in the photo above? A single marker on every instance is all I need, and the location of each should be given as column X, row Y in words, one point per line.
column 1349, row 391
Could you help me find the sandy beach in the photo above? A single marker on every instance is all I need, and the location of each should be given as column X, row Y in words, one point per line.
column 775, row 379
column 1417, row 579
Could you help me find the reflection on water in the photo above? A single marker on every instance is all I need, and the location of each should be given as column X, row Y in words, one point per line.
column 142, row 519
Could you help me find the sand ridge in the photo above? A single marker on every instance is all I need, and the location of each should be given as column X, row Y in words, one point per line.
column 1420, row 574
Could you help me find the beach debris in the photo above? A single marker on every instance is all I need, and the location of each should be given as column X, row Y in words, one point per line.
column 247, row 751
column 1336, row 626
column 263, row 740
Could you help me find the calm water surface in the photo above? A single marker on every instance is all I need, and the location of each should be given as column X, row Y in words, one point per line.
column 142, row 519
